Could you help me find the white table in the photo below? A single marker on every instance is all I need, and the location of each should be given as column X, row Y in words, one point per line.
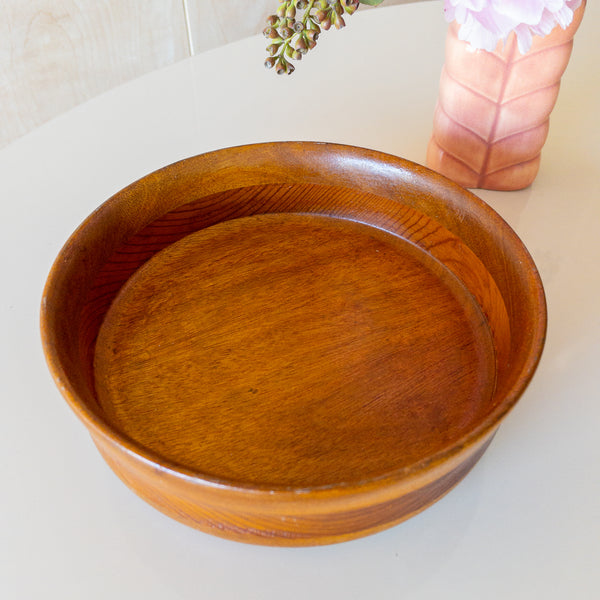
column 524, row 524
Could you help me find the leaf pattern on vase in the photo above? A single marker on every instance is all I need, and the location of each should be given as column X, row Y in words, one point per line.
column 492, row 115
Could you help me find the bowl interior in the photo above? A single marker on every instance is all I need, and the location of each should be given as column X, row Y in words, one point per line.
column 294, row 350
column 293, row 327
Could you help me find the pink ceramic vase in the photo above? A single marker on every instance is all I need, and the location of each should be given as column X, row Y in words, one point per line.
column 492, row 115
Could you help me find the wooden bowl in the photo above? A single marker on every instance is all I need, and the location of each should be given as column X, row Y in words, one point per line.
column 293, row 343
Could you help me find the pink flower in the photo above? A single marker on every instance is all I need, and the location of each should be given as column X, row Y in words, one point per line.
column 483, row 23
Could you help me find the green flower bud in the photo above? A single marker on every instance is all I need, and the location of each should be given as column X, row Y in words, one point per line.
column 301, row 44
column 350, row 6
column 281, row 66
column 320, row 16
column 290, row 39
column 338, row 21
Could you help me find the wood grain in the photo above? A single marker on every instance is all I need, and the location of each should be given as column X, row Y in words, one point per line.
column 55, row 54
column 294, row 351
column 356, row 330
column 329, row 520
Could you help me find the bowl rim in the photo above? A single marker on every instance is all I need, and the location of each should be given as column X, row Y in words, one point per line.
column 421, row 177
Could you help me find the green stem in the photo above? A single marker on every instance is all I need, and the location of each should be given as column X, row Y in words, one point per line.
column 307, row 12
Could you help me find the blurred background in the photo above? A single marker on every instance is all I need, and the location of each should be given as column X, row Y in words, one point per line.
column 55, row 54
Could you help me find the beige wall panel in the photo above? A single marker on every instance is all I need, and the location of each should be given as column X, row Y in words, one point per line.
column 216, row 22
column 55, row 54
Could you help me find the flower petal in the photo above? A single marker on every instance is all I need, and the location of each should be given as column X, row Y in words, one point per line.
column 478, row 36
column 521, row 11
column 524, row 38
column 485, row 22
column 563, row 17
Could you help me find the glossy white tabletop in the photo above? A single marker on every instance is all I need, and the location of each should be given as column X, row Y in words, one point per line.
column 525, row 523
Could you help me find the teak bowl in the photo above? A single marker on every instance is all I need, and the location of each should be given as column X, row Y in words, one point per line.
column 293, row 343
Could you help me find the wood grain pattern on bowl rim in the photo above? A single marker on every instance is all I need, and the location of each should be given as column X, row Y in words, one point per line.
column 281, row 515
